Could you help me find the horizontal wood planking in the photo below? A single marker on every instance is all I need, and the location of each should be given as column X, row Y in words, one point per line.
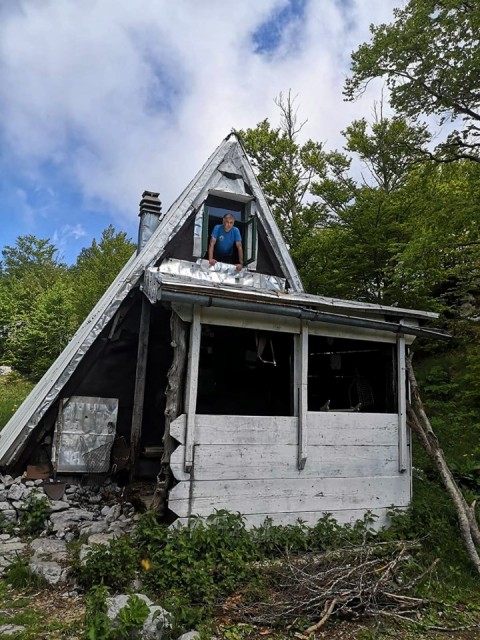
column 248, row 461
column 289, row 495
column 310, row 518
column 324, row 428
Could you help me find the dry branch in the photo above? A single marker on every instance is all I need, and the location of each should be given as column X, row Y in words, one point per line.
column 419, row 422
column 352, row 582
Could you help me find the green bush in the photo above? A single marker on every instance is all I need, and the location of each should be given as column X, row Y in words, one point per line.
column 98, row 626
column 13, row 391
column 34, row 515
column 113, row 565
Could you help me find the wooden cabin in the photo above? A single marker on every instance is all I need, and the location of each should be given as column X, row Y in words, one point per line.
column 231, row 389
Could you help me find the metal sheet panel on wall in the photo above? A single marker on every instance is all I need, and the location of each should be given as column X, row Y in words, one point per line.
column 84, row 434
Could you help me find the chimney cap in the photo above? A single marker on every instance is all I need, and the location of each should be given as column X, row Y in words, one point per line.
column 150, row 194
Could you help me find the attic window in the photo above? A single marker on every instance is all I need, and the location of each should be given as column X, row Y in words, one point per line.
column 215, row 207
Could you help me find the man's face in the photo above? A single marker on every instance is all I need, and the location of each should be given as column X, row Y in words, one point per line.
column 228, row 223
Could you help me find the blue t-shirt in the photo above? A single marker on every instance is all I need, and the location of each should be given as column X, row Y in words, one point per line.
column 225, row 239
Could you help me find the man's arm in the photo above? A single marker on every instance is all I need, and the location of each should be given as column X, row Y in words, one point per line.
column 211, row 245
column 240, row 254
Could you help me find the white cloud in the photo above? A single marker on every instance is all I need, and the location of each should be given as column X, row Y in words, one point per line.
column 120, row 96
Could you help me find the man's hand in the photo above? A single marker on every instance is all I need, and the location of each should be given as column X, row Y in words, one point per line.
column 238, row 267
column 212, row 261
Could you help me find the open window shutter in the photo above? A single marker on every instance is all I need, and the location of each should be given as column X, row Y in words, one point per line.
column 250, row 243
column 205, row 230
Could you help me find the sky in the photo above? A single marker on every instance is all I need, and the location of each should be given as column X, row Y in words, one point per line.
column 103, row 99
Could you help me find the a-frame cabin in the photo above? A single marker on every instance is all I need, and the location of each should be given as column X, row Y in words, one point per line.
column 234, row 389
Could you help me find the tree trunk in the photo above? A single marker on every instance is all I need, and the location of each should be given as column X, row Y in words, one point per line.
column 173, row 406
column 419, row 422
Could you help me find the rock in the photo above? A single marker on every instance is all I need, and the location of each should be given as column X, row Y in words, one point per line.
column 101, row 538
column 5, row 370
column 51, row 571
column 94, row 528
column 114, row 513
column 49, row 549
column 7, row 512
column 3, row 495
column 15, row 492
column 58, row 505
column 10, row 551
column 71, row 517
column 8, row 481
column 153, row 627
column 190, row 635
column 10, row 629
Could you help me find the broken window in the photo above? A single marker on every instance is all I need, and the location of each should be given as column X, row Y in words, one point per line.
column 245, row 372
column 351, row 375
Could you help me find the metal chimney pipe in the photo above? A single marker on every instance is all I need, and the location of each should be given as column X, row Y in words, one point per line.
column 150, row 210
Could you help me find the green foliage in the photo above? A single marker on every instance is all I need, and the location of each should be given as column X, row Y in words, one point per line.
column 19, row 575
column 98, row 626
column 33, row 517
column 41, row 334
column 191, row 568
column 96, row 268
column 113, row 565
column 13, row 390
column 430, row 58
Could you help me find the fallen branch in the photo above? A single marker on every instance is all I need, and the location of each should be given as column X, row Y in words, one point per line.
column 418, row 421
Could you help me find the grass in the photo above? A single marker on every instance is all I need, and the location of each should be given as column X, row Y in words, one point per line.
column 13, row 390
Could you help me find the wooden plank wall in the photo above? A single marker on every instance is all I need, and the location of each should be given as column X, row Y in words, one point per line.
column 249, row 464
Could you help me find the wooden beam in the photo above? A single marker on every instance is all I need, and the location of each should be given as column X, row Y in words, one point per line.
column 192, row 385
column 140, row 379
column 174, row 394
column 302, row 358
column 402, row 405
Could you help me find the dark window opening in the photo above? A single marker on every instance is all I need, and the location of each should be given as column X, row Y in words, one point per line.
column 351, row 375
column 245, row 372
column 214, row 210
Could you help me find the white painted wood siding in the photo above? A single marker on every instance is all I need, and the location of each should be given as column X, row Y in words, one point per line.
column 248, row 464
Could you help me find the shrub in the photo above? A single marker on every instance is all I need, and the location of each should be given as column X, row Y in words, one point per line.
column 113, row 565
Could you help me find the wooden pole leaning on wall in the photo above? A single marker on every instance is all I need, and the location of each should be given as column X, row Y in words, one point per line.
column 419, row 423
column 140, row 379
column 173, row 405
column 192, row 386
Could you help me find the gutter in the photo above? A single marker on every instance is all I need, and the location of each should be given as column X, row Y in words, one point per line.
column 299, row 312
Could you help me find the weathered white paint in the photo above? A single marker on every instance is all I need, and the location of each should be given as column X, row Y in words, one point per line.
column 250, row 320
column 288, row 495
column 403, row 454
column 326, row 428
column 191, row 386
column 245, row 461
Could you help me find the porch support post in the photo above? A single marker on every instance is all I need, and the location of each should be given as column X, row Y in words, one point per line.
column 402, row 405
column 302, row 358
column 192, row 385
column 140, row 378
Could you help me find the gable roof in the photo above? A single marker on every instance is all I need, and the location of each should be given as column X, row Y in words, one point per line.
column 230, row 158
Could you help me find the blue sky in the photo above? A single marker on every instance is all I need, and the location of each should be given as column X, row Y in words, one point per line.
column 102, row 99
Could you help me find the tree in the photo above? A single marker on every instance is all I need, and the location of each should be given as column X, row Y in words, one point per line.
column 38, row 336
column 96, row 268
column 430, row 57
column 286, row 170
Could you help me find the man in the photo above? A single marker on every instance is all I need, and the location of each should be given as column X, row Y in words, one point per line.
column 224, row 238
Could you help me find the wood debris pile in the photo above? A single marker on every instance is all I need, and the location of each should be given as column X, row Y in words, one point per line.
column 366, row 580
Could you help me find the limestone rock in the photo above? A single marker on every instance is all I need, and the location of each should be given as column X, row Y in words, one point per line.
column 10, row 629
column 154, row 625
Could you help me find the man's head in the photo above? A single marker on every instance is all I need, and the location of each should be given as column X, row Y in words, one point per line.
column 228, row 221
